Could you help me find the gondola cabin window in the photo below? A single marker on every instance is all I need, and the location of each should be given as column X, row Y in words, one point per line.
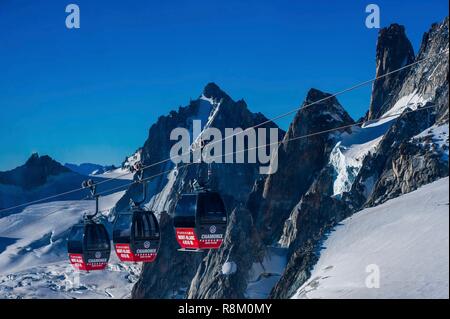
column 185, row 211
column 96, row 238
column 143, row 228
column 211, row 209
column 75, row 244
column 123, row 227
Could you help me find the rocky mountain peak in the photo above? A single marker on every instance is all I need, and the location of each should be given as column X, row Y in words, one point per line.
column 319, row 111
column 44, row 160
column 319, row 103
column 233, row 181
column 34, row 157
column 315, row 95
column 393, row 47
column 213, row 91
column 394, row 50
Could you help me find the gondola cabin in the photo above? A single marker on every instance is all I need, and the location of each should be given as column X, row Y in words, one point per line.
column 136, row 236
column 89, row 246
column 200, row 221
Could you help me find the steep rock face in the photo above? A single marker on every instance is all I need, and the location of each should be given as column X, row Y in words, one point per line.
column 405, row 167
column 423, row 82
column 410, row 168
column 156, row 148
column 223, row 274
column 393, row 51
column 312, row 218
column 400, row 165
column 292, row 228
column 299, row 161
column 233, row 180
column 429, row 79
column 316, row 213
column 167, row 277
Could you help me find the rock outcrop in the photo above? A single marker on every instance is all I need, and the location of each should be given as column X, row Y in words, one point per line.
column 394, row 50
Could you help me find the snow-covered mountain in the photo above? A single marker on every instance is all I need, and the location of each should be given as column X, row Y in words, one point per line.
column 34, row 173
column 42, row 177
column 39, row 177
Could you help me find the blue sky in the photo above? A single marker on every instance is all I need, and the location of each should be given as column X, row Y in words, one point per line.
column 90, row 95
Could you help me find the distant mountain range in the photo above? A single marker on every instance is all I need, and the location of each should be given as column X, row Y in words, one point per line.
column 89, row 168
column 42, row 176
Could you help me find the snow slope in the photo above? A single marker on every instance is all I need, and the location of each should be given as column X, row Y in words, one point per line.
column 264, row 276
column 118, row 173
column 33, row 257
column 412, row 101
column 407, row 238
column 88, row 168
column 11, row 195
column 348, row 155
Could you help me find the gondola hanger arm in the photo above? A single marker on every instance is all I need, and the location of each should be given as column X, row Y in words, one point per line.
column 139, row 169
column 93, row 189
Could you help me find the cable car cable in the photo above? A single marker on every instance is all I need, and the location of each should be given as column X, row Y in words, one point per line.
column 277, row 143
column 287, row 140
column 361, row 84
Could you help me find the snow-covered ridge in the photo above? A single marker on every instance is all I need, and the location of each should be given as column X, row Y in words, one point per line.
column 132, row 159
column 406, row 239
column 208, row 111
column 435, row 138
column 413, row 101
column 347, row 156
